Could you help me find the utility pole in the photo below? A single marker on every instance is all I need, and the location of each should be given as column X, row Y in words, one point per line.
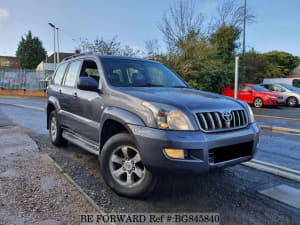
column 244, row 30
column 57, row 45
column 54, row 53
column 236, row 77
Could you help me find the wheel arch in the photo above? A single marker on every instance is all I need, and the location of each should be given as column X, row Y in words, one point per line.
column 116, row 120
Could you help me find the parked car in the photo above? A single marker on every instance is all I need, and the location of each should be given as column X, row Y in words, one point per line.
column 254, row 94
column 143, row 120
column 293, row 81
column 291, row 95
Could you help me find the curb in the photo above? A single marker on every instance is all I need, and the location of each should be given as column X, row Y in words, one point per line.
column 280, row 129
column 79, row 189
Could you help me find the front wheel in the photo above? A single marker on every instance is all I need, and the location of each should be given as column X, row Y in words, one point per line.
column 258, row 103
column 292, row 101
column 123, row 169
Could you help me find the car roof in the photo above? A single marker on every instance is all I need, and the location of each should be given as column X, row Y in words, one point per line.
column 84, row 55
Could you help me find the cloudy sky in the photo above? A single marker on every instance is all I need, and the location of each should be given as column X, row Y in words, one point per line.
column 135, row 21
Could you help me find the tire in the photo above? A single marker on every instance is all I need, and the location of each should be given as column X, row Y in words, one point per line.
column 258, row 103
column 55, row 130
column 123, row 170
column 292, row 101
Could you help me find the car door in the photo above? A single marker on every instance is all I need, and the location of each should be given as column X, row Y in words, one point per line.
column 90, row 104
column 56, row 88
column 244, row 94
column 69, row 102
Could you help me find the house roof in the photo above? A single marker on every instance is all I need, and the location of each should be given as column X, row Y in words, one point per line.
column 9, row 62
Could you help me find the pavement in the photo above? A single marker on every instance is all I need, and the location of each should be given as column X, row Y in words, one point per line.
column 32, row 189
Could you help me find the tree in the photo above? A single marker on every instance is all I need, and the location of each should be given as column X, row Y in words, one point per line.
column 280, row 63
column 179, row 22
column 225, row 40
column 108, row 47
column 30, row 52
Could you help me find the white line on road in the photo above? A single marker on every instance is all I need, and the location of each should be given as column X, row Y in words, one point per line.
column 24, row 106
column 269, row 169
column 277, row 117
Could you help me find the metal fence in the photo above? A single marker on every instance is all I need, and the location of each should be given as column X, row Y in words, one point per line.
column 24, row 79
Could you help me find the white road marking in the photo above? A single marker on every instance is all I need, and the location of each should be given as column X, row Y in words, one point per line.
column 277, row 117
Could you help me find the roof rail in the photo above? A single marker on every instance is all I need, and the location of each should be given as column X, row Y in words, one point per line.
column 76, row 55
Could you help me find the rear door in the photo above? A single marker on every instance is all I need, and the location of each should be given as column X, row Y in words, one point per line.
column 69, row 101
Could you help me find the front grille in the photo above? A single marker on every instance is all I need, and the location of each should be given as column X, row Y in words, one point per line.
column 222, row 154
column 220, row 121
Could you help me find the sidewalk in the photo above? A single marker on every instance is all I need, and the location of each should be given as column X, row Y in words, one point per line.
column 32, row 189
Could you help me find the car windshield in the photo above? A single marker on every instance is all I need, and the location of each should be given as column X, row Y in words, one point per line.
column 134, row 73
column 258, row 88
column 289, row 87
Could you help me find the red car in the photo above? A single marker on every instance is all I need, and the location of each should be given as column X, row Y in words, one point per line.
column 254, row 94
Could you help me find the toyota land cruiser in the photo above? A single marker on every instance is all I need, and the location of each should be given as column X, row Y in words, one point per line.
column 142, row 119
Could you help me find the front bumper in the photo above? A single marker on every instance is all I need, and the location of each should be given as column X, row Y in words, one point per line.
column 209, row 149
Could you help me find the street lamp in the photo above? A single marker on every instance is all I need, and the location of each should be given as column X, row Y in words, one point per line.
column 54, row 55
column 57, row 45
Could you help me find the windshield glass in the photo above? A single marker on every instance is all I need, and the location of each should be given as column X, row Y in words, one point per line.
column 133, row 73
column 289, row 87
column 258, row 88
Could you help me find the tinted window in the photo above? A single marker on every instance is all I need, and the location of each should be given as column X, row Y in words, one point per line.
column 296, row 83
column 133, row 73
column 89, row 69
column 60, row 73
column 71, row 76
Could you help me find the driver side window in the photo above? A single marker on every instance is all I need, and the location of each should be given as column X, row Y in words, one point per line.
column 90, row 69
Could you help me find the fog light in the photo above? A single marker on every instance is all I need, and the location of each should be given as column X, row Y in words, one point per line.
column 174, row 153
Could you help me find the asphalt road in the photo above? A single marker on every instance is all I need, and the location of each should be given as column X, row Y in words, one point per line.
column 232, row 192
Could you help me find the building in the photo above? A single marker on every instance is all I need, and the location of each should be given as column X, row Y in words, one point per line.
column 9, row 62
column 48, row 64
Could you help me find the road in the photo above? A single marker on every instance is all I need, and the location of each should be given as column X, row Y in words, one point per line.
column 233, row 192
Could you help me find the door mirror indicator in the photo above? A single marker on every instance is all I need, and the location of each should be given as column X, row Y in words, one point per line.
column 88, row 84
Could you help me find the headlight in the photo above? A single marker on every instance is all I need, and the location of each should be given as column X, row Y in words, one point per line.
column 169, row 117
column 271, row 96
column 251, row 119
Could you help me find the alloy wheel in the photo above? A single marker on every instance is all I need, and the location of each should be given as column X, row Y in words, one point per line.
column 126, row 166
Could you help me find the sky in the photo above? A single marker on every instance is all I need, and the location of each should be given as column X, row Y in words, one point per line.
column 133, row 22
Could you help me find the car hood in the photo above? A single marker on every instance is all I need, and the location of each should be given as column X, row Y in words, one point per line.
column 191, row 99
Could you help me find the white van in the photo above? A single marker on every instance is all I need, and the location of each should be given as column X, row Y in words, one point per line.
column 295, row 81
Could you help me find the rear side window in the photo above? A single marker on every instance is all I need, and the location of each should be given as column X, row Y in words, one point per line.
column 243, row 88
column 60, row 73
column 71, row 76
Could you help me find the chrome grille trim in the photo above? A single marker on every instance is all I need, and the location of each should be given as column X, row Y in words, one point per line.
column 211, row 122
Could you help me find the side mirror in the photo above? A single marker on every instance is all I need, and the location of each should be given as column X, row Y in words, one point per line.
column 88, row 84
column 250, row 91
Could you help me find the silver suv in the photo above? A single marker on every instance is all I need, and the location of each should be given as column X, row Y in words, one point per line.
column 142, row 120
